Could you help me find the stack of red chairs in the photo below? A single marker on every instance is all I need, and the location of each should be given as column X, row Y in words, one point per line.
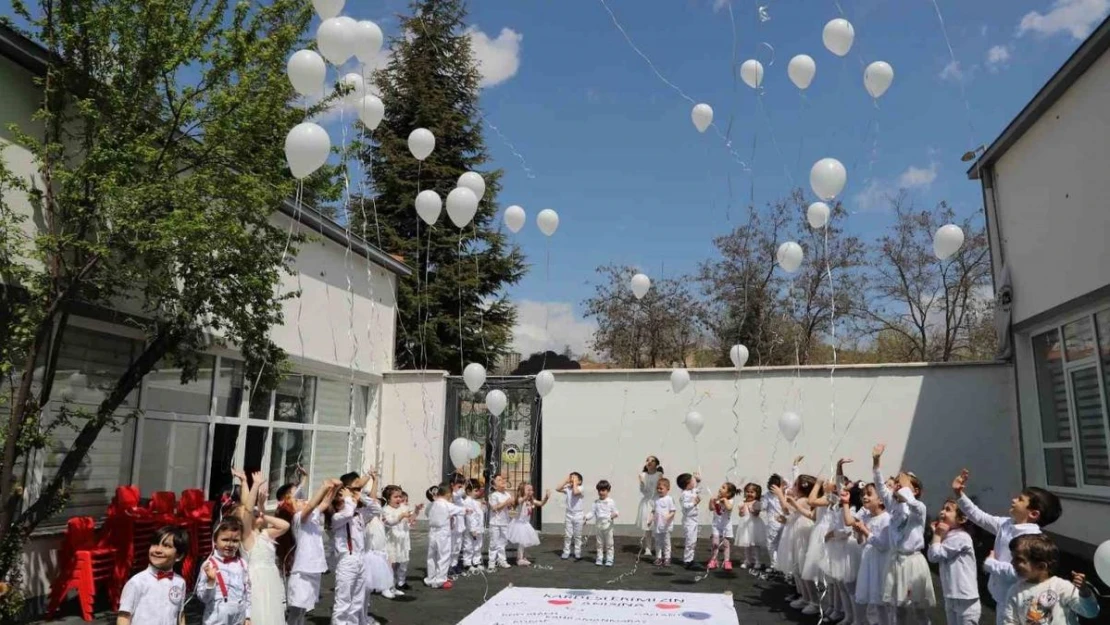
column 85, row 562
column 163, row 507
column 197, row 514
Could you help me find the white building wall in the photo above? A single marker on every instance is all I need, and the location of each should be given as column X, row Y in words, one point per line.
column 410, row 430
column 1051, row 188
column 935, row 419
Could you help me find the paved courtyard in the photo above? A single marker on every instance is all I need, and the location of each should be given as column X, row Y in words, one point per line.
column 758, row 602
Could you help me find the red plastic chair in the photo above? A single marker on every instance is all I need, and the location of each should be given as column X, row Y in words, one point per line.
column 85, row 563
column 163, row 504
column 196, row 514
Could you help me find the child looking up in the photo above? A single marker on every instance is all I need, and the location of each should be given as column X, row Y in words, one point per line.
column 1039, row 598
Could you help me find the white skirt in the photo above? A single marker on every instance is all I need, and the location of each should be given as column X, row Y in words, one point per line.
column 304, row 590
column 397, row 546
column 908, row 581
column 842, row 559
column 815, row 553
column 377, row 574
column 523, row 534
column 746, row 531
column 870, row 576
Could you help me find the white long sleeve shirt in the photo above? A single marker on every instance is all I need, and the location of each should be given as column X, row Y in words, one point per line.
column 498, row 518
column 440, row 513
column 575, row 508
column 1054, row 601
column 956, row 557
column 690, row 506
column 476, row 518
column 309, row 556
column 907, row 517
column 348, row 526
column 603, row 510
column 999, row 568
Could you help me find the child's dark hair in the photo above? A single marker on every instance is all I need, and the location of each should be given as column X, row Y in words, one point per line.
column 758, row 489
column 604, row 485
column 684, row 480
column 389, row 491
column 915, row 482
column 1044, row 502
column 875, row 493
column 1036, row 549
column 658, row 467
column 229, row 524
column 177, row 535
column 774, row 480
column 805, row 484
column 284, row 490
column 577, row 475
column 437, row 490
column 458, row 479
column 665, row 482
column 730, row 489
column 855, row 494
column 348, row 479
column 472, row 485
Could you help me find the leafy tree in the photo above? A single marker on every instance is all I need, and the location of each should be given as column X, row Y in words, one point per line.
column 158, row 155
column 455, row 300
column 548, row 360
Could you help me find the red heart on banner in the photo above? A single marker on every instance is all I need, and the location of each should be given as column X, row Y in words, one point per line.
column 559, row 601
column 667, row 606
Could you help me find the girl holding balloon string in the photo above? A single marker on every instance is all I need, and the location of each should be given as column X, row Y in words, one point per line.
column 649, row 478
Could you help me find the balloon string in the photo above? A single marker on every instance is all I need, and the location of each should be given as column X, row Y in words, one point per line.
column 963, row 90
column 481, row 309
column 546, row 304
column 462, row 360
column 832, row 333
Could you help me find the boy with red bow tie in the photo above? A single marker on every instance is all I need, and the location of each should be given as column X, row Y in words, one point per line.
column 224, row 586
column 157, row 595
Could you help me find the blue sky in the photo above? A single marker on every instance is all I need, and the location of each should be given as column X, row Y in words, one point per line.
column 611, row 147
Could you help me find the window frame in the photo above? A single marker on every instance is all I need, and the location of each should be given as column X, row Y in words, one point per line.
column 1068, row 367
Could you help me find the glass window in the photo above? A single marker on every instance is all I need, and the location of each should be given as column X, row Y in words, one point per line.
column 288, row 448
column 294, row 398
column 331, row 456
column 1079, row 339
column 229, row 388
column 1087, row 400
column 172, row 457
column 333, row 403
column 166, row 393
column 1053, row 395
column 1060, row 467
column 223, row 456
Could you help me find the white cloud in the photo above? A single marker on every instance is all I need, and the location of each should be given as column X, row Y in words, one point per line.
column 550, row 326
column 876, row 194
column 997, row 57
column 952, row 71
column 918, row 176
column 1076, row 17
column 498, row 59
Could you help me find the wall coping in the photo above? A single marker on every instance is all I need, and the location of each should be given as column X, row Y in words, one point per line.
column 900, row 367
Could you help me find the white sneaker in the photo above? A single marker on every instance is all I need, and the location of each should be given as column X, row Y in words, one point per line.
column 799, row 603
column 505, row 565
column 399, row 593
column 647, row 553
column 811, row 608
column 389, row 594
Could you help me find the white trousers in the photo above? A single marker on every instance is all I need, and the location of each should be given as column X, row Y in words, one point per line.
column 663, row 546
column 605, row 544
column 472, row 549
column 400, row 572
column 458, row 538
column 773, row 531
column 350, row 600
column 498, row 536
column 690, row 535
column 439, row 556
column 572, row 532
column 962, row 611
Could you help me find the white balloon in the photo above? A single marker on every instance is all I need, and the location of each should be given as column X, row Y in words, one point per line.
column 328, row 9
column 355, row 87
column 475, row 450
column 789, row 425
column 462, row 204
column 694, row 423
column 827, row 177
column 496, row 402
column 428, row 206
column 640, row 285
column 421, row 143
column 818, row 215
column 545, row 383
column 306, row 70
column 515, row 218
column 370, row 111
column 459, row 452
column 738, row 355
column 367, row 40
column 679, row 379
column 548, row 221
column 473, row 181
column 335, row 39
column 751, row 72
column 801, row 70
column 475, row 376
column 877, row 78
column 702, row 115
column 1102, row 562
column 789, row 256
column 306, row 148
column 947, row 241
column 838, row 36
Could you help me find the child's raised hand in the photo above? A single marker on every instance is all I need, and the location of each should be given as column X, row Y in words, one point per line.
column 1079, row 580
column 210, row 571
column 877, row 451
column 960, row 483
column 941, row 528
column 845, row 497
column 844, row 461
column 904, row 481
column 256, row 477
column 239, row 475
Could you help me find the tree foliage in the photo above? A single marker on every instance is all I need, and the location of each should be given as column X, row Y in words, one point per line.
column 157, row 150
column 455, row 300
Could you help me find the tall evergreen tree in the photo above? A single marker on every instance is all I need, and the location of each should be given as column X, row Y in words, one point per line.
column 432, row 82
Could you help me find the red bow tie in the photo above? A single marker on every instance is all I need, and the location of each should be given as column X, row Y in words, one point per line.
column 164, row 575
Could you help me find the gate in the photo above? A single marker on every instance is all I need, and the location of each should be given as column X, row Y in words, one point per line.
column 509, row 444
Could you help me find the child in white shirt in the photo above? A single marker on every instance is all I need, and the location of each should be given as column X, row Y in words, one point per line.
column 348, row 533
column 458, row 524
column 1039, row 598
column 604, row 512
column 691, row 500
column 722, row 529
column 441, row 514
column 575, row 515
column 662, row 521
column 223, row 585
column 397, row 516
column 156, row 596
column 309, row 561
column 908, row 586
column 953, row 550
column 499, row 504
column 472, row 540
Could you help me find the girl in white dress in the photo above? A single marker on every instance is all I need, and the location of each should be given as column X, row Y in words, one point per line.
column 842, row 554
column 259, row 549
column 818, row 502
column 521, row 533
column 649, row 478
column 795, row 538
column 722, row 532
column 377, row 573
column 872, row 532
column 395, row 517
column 751, row 535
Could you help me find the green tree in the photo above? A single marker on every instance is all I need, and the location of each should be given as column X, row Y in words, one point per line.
column 432, row 82
column 158, row 153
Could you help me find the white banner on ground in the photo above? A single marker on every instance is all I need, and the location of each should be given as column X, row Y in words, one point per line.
column 540, row 606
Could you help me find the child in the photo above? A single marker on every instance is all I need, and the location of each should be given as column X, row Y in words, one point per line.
column 662, row 521
column 520, row 532
column 691, row 499
column 458, row 524
column 348, row 523
column 309, row 563
column 909, row 583
column 1040, row 598
column 287, row 496
column 396, row 516
column 472, row 540
column 750, row 528
column 872, row 530
column 156, row 596
column 223, row 585
column 952, row 549
column 499, row 504
column 842, row 554
column 773, row 518
column 440, row 514
column 822, row 497
column 572, row 488
column 721, row 527
column 1031, row 510
column 604, row 512
column 377, row 572
column 259, row 548
column 794, row 541
column 649, row 480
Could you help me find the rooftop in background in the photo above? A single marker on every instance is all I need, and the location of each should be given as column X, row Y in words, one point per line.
column 1072, row 69
column 33, row 57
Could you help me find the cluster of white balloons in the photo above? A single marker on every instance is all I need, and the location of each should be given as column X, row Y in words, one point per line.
column 462, row 451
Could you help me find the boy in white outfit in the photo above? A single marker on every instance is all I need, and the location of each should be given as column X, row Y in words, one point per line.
column 309, row 561
column 604, row 512
column 440, row 515
column 458, row 524
column 1040, row 598
column 662, row 521
column 691, row 500
column 499, row 504
column 348, row 534
column 575, row 516
column 472, row 539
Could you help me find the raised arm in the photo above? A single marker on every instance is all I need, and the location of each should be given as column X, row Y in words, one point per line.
column 539, row 503
column 947, row 546
column 563, row 484
column 321, row 499
column 275, row 526
column 813, row 499
column 880, row 481
column 973, row 513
